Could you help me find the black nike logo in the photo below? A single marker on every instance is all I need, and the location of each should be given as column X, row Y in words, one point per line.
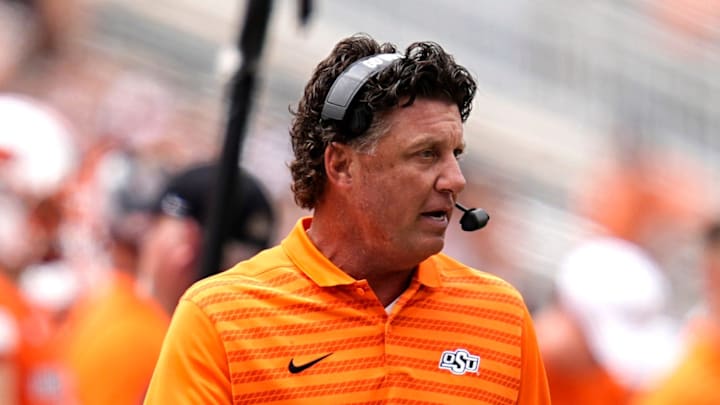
column 296, row 369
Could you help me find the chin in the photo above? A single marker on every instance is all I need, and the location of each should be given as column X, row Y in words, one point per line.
column 427, row 248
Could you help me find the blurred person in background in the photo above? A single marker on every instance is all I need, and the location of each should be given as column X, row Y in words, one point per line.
column 697, row 377
column 35, row 36
column 606, row 335
column 37, row 153
column 357, row 304
column 113, row 335
column 36, row 156
column 111, row 110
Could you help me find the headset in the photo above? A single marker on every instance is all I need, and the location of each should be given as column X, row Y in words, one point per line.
column 343, row 91
column 340, row 99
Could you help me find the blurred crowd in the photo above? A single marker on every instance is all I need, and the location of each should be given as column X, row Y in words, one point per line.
column 102, row 208
column 103, row 211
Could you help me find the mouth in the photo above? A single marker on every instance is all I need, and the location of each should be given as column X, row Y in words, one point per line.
column 437, row 215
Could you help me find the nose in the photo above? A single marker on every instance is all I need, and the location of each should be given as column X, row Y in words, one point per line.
column 451, row 179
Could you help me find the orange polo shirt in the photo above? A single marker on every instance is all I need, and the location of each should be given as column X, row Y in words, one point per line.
column 289, row 327
column 111, row 344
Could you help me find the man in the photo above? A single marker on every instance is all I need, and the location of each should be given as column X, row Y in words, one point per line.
column 357, row 304
column 114, row 335
column 606, row 335
column 36, row 153
column 695, row 380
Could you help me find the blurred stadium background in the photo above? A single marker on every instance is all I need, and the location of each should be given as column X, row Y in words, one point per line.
column 564, row 86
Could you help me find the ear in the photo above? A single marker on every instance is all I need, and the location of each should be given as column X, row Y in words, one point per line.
column 338, row 159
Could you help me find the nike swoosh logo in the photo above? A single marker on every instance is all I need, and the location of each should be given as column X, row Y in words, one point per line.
column 298, row 368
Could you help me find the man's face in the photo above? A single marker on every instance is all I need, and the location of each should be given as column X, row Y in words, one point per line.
column 168, row 254
column 404, row 191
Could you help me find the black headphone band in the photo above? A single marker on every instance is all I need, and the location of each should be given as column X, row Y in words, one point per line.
column 346, row 86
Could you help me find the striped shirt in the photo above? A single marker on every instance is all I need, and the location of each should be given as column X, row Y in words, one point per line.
column 288, row 326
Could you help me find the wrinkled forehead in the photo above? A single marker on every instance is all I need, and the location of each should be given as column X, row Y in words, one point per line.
column 426, row 117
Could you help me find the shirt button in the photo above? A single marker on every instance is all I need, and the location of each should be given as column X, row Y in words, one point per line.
column 360, row 291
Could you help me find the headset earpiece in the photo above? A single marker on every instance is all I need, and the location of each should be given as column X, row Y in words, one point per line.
column 358, row 120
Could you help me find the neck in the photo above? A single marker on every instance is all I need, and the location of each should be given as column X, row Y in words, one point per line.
column 166, row 294
column 342, row 246
column 168, row 300
column 390, row 286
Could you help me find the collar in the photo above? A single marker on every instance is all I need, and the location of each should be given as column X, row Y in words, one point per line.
column 306, row 256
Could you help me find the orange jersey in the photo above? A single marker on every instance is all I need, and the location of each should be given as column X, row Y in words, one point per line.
column 289, row 327
column 697, row 377
column 111, row 344
column 26, row 349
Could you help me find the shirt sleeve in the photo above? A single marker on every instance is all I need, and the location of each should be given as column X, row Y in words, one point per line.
column 192, row 367
column 534, row 387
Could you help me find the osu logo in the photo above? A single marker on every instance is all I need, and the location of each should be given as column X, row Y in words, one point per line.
column 459, row 362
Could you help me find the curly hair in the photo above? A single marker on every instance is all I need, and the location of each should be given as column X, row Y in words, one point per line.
column 425, row 71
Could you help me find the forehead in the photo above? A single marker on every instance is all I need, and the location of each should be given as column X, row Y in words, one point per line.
column 426, row 119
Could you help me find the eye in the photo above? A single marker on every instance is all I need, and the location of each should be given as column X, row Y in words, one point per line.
column 459, row 153
column 427, row 153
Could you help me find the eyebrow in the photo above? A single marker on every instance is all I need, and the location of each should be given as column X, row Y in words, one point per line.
column 427, row 139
